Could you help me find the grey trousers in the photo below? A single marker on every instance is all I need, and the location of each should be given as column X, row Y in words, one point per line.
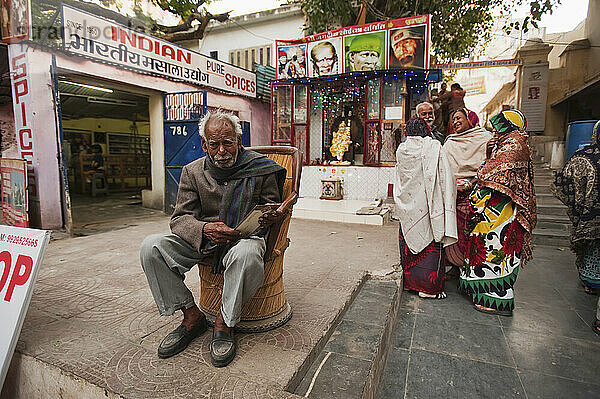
column 166, row 258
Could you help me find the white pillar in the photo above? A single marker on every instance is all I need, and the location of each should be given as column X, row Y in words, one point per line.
column 155, row 198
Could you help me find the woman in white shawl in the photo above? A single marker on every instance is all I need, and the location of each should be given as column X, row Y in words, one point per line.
column 425, row 192
column 466, row 149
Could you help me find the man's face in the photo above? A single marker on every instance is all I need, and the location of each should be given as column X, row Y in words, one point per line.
column 426, row 113
column 324, row 60
column 221, row 143
column 364, row 60
column 282, row 59
column 404, row 49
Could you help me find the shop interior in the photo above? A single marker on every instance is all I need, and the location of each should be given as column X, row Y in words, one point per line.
column 106, row 145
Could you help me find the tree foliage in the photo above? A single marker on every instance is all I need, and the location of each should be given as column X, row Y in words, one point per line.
column 458, row 26
column 194, row 17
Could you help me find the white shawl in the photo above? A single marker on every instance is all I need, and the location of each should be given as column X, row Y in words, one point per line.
column 466, row 151
column 425, row 192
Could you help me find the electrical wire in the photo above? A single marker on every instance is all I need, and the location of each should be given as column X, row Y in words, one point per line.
column 252, row 33
column 539, row 40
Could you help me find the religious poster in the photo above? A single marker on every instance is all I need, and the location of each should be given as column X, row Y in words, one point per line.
column 534, row 92
column 15, row 20
column 364, row 52
column 395, row 44
column 291, row 61
column 14, row 192
column 325, row 57
column 407, row 47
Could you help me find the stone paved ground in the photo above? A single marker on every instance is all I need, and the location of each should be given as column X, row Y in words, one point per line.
column 546, row 350
column 92, row 314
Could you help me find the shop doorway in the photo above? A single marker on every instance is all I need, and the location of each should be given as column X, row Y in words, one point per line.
column 106, row 149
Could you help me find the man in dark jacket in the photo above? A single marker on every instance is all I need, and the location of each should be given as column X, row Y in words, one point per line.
column 425, row 111
column 215, row 193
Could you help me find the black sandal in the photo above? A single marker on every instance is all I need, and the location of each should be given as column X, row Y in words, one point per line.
column 596, row 326
column 507, row 313
column 589, row 290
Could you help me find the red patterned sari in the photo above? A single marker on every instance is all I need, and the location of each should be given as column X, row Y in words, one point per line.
column 425, row 271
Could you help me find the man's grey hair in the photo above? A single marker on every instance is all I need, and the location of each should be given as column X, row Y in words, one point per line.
column 421, row 105
column 221, row 116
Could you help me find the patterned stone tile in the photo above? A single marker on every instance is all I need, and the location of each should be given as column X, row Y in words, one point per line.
column 290, row 336
column 135, row 372
column 129, row 323
column 63, row 302
column 264, row 363
column 92, row 314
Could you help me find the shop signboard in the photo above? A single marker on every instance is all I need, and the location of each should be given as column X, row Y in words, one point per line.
column 21, row 253
column 23, row 114
column 15, row 20
column 475, row 86
column 534, row 92
column 106, row 41
column 395, row 44
column 14, row 192
column 479, row 64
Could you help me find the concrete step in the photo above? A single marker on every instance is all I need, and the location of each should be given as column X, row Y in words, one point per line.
column 543, row 174
column 552, row 237
column 342, row 211
column 550, row 225
column 547, row 199
column 542, row 189
column 543, row 181
column 553, row 210
column 353, row 359
column 553, row 222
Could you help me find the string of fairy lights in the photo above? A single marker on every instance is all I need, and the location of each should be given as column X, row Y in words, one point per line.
column 331, row 92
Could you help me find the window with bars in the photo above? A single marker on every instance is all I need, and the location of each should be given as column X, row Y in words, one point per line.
column 247, row 57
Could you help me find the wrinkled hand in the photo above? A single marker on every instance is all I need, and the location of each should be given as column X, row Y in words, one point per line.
column 271, row 217
column 220, row 233
column 490, row 146
column 463, row 185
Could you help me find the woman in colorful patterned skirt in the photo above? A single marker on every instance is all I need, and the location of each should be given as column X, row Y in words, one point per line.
column 425, row 193
column 578, row 187
column 504, row 214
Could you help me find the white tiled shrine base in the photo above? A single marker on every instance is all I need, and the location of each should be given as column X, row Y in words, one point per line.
column 343, row 211
column 360, row 182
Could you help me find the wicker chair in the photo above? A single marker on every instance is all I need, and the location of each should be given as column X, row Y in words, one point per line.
column 268, row 308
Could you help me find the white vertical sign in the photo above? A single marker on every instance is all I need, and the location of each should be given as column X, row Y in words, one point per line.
column 534, row 93
column 21, row 253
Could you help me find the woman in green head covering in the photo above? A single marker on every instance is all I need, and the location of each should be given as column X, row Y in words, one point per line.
column 504, row 215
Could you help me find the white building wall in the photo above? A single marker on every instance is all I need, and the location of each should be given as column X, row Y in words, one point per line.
column 252, row 30
column 501, row 46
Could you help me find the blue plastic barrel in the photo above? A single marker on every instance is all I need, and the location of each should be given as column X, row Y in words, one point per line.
column 579, row 134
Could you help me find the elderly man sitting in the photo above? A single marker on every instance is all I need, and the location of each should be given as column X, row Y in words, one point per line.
column 215, row 193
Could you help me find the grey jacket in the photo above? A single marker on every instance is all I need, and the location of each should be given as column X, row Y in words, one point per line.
column 199, row 198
